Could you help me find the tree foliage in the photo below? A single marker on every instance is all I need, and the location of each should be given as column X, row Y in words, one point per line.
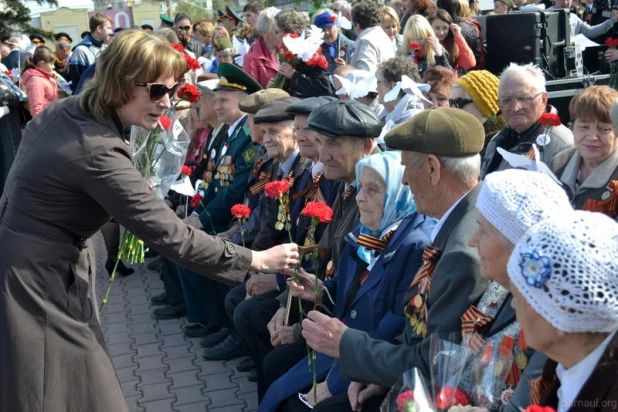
column 15, row 16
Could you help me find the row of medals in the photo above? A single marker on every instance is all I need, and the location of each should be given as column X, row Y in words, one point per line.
column 225, row 169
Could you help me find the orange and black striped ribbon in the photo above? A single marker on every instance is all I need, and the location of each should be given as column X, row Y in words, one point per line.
column 607, row 206
column 530, row 154
column 290, row 178
column 537, row 387
column 374, row 243
column 431, row 255
column 261, row 183
column 256, row 169
column 347, row 193
column 472, row 321
column 311, row 190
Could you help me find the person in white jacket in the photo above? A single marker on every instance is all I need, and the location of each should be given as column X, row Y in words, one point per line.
column 373, row 46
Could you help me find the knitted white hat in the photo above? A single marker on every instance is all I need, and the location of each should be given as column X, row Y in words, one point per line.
column 566, row 267
column 513, row 200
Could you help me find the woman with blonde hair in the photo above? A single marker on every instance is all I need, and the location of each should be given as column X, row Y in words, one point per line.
column 62, row 189
column 391, row 26
column 203, row 33
column 421, row 45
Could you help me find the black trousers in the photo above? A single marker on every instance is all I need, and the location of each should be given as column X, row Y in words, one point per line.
column 280, row 360
column 338, row 403
column 171, row 282
column 214, row 294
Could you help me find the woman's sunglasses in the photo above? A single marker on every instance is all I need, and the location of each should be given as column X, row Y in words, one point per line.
column 158, row 91
column 459, row 102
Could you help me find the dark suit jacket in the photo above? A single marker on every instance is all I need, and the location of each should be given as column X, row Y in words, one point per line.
column 456, row 284
column 15, row 60
column 599, row 393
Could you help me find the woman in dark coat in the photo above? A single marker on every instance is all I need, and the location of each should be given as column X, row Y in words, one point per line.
column 563, row 276
column 73, row 171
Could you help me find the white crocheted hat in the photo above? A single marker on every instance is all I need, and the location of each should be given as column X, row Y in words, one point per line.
column 566, row 267
column 514, row 200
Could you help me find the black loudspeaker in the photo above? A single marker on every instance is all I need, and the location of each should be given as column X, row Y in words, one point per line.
column 528, row 37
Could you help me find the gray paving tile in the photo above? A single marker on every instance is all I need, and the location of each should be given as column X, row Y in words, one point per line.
column 195, row 407
column 124, row 361
column 222, row 398
column 121, row 337
column 132, row 403
column 155, row 392
column 130, row 388
column 147, row 350
column 118, row 349
column 215, row 382
column 178, row 352
column 151, row 376
column 184, row 379
column 170, row 329
column 143, row 308
column 158, row 406
column 188, row 395
column 126, row 374
column 145, row 338
column 173, row 340
column 181, row 365
column 149, row 363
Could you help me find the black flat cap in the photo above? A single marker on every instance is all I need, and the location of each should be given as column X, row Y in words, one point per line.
column 275, row 111
column 345, row 118
column 306, row 106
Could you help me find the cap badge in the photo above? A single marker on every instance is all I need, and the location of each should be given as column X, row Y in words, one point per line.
column 535, row 268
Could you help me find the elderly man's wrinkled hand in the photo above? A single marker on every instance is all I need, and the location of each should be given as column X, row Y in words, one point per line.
column 323, row 333
column 262, row 283
column 282, row 336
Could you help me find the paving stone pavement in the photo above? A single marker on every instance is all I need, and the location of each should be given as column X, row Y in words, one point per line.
column 160, row 369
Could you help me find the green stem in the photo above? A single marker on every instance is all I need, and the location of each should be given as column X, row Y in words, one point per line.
column 109, row 286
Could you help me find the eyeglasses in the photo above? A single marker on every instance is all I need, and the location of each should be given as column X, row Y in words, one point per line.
column 158, row 91
column 522, row 100
column 459, row 102
column 185, row 28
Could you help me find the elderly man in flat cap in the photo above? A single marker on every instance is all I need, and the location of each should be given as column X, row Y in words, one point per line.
column 523, row 100
column 277, row 130
column 441, row 155
column 345, row 132
column 312, row 186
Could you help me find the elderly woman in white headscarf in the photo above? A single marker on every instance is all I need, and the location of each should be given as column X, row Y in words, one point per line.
column 509, row 203
column 564, row 280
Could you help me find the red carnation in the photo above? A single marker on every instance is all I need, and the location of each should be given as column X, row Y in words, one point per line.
column 414, row 46
column 277, row 188
column 186, row 170
column 449, row 396
column 178, row 47
column 332, row 19
column 293, row 35
column 537, row 408
column 189, row 93
column 165, row 122
column 550, row 119
column 241, row 211
column 611, row 43
column 196, row 200
column 289, row 55
column 191, row 63
column 404, row 399
column 319, row 50
column 318, row 210
column 322, row 63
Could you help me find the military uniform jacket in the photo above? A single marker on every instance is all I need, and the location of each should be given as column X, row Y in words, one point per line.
column 211, row 152
column 232, row 168
column 62, row 188
column 599, row 192
column 456, row 284
column 561, row 138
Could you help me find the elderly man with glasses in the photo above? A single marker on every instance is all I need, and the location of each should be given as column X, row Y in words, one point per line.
column 522, row 99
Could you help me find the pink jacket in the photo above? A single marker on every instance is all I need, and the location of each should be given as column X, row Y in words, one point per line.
column 260, row 63
column 41, row 89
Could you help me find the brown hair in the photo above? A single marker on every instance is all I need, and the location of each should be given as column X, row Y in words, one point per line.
column 140, row 57
column 41, row 54
column 449, row 41
column 594, row 103
column 422, row 7
column 98, row 19
column 439, row 76
column 204, row 28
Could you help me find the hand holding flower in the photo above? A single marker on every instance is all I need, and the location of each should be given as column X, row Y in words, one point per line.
column 287, row 70
column 323, row 333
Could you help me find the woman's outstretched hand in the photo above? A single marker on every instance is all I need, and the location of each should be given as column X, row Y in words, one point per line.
column 275, row 259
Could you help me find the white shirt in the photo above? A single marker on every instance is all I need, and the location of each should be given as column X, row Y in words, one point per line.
column 286, row 166
column 438, row 225
column 233, row 126
column 573, row 379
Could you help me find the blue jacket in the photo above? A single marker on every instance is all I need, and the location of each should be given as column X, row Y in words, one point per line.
column 376, row 309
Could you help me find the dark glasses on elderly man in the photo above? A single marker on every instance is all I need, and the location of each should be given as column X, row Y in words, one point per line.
column 158, row 91
column 459, row 102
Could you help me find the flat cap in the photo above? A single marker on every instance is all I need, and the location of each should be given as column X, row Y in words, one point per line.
column 443, row 131
column 254, row 102
column 275, row 111
column 345, row 118
column 233, row 78
column 306, row 106
column 207, row 86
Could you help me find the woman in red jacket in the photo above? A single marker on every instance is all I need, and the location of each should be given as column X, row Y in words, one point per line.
column 39, row 80
column 261, row 61
column 460, row 56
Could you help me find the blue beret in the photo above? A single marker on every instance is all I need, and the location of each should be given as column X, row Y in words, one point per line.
column 326, row 19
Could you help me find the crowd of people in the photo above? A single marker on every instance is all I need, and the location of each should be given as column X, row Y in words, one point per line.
column 416, row 150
